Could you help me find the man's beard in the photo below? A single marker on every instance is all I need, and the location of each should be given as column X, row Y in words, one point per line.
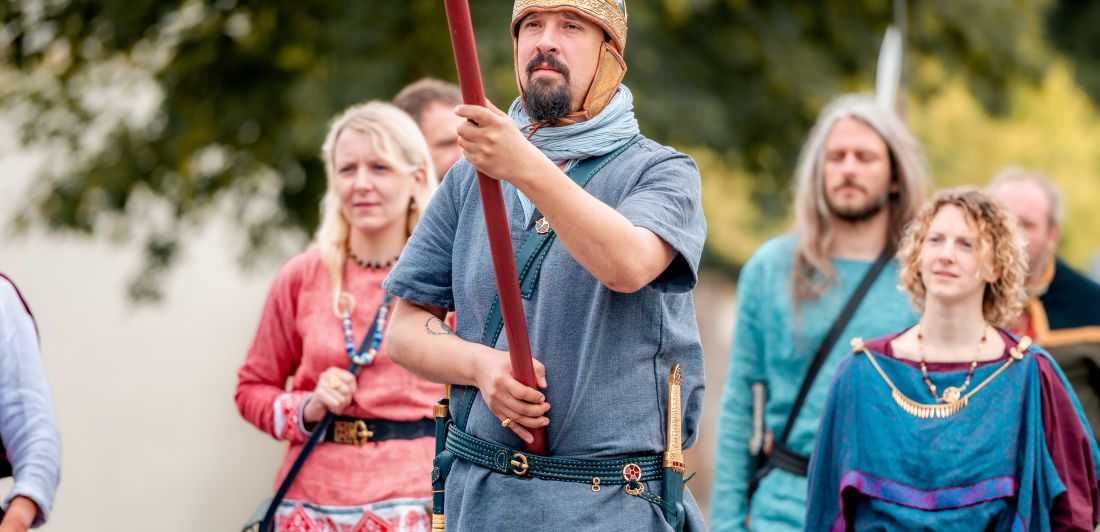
column 859, row 213
column 1035, row 273
column 545, row 100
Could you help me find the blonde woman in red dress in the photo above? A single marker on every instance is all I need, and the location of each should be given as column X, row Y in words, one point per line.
column 380, row 178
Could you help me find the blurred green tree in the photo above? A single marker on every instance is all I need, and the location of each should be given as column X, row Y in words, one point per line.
column 163, row 111
column 1071, row 25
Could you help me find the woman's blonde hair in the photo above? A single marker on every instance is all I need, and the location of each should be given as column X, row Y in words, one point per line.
column 396, row 139
column 1000, row 249
column 813, row 273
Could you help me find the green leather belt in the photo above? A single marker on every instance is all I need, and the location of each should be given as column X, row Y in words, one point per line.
column 509, row 461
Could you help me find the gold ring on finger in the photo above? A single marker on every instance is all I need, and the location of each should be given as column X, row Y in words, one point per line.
column 506, row 421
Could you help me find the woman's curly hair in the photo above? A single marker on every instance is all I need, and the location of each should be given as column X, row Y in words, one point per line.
column 1001, row 250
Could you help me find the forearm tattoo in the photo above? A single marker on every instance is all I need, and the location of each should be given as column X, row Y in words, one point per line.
column 437, row 327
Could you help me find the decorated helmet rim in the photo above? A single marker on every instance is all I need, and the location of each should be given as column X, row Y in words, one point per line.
column 608, row 14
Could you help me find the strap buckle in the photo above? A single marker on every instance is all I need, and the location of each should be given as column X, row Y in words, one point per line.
column 351, row 432
column 519, row 465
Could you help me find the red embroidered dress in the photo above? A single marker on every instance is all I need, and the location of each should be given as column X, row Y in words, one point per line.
column 298, row 337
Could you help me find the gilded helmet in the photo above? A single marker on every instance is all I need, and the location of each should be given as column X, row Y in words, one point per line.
column 609, row 15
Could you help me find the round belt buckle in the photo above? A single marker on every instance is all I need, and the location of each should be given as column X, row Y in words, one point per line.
column 632, row 474
column 519, row 464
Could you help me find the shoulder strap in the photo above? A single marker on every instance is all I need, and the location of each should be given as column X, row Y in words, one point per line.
column 533, row 251
column 528, row 266
column 831, row 337
column 268, row 523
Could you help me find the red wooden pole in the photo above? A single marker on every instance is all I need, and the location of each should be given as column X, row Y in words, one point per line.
column 496, row 220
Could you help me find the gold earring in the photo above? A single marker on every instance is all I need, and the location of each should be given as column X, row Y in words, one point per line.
column 412, row 203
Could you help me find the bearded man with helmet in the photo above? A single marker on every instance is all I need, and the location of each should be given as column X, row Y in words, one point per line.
column 611, row 320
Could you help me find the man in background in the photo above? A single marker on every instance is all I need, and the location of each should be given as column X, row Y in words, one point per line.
column 1063, row 311
column 432, row 104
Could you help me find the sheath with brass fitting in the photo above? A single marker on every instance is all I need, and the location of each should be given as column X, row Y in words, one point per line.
column 443, row 458
column 673, row 481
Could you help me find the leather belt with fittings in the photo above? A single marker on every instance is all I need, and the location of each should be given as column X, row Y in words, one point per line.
column 510, row 461
column 357, row 431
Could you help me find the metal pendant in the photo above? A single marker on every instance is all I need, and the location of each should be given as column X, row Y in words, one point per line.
column 924, row 411
column 632, row 472
column 951, row 394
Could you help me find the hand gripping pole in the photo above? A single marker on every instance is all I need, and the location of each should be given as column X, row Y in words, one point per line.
column 496, row 220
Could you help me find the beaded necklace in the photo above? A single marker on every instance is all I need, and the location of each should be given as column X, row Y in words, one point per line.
column 364, row 358
column 369, row 349
column 951, row 393
column 371, row 265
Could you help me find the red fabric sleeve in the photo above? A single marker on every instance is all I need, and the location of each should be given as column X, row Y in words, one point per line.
column 275, row 353
column 1078, row 508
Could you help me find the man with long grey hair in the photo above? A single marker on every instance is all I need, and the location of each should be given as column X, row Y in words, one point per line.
column 859, row 180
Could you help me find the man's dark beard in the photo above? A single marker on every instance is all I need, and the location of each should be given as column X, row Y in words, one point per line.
column 859, row 214
column 545, row 100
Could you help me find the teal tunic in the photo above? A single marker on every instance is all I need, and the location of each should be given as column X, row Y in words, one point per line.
column 774, row 345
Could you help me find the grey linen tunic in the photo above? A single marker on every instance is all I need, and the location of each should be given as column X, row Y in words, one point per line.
column 607, row 354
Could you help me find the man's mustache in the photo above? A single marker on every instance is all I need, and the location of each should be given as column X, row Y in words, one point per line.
column 849, row 183
column 550, row 61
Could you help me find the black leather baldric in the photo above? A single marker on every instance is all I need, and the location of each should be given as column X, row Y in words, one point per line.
column 787, row 460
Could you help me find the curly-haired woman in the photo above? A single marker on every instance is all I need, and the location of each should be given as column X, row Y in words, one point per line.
column 954, row 424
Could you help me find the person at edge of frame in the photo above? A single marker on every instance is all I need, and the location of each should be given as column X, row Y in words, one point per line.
column 30, row 451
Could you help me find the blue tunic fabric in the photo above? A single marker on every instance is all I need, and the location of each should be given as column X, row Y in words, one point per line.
column 774, row 345
column 985, row 468
column 607, row 354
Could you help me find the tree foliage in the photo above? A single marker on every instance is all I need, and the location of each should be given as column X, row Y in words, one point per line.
column 166, row 109
column 1071, row 25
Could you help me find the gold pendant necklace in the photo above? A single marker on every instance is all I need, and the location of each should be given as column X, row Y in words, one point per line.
column 951, row 394
column 925, row 411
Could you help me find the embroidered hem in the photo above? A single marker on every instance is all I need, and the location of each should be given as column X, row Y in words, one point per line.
column 398, row 515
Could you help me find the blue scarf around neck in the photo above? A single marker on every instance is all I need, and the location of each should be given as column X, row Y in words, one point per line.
column 605, row 132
